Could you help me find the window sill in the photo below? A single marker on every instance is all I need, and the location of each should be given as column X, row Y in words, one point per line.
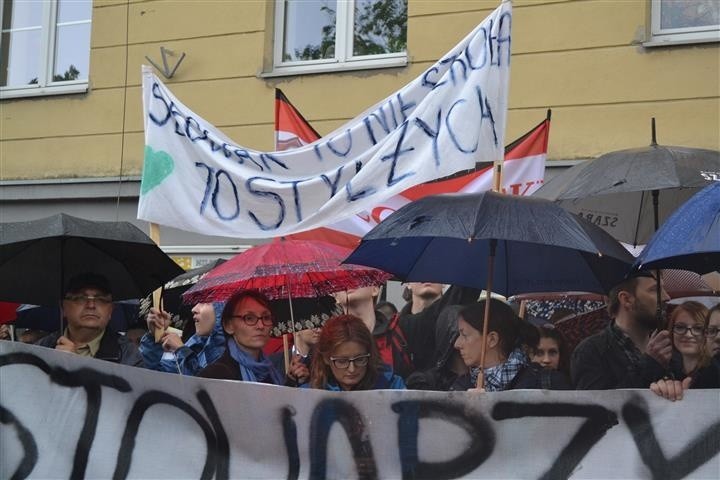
column 669, row 40
column 7, row 93
column 286, row 71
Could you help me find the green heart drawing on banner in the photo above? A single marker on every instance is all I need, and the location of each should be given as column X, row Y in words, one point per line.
column 158, row 165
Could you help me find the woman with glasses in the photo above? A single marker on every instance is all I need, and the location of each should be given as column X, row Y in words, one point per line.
column 696, row 361
column 346, row 358
column 247, row 321
column 687, row 325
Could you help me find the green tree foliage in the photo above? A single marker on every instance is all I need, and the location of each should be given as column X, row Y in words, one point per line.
column 72, row 73
column 380, row 27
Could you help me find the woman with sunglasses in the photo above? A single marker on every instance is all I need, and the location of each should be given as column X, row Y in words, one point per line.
column 247, row 321
column 688, row 323
column 346, row 358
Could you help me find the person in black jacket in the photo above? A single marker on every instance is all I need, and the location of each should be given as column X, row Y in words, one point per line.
column 633, row 350
column 448, row 363
column 87, row 307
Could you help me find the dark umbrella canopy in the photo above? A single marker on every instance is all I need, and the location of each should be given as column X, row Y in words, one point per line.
column 690, row 238
column 614, row 191
column 37, row 258
column 540, row 246
column 172, row 293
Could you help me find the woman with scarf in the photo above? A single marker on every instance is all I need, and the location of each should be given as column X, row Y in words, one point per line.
column 506, row 343
column 247, row 321
column 347, row 359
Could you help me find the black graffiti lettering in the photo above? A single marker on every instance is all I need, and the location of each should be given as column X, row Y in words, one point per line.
column 264, row 157
column 30, row 458
column 486, row 112
column 503, row 38
column 433, row 133
column 291, row 442
column 89, row 379
column 332, row 184
column 169, row 107
column 266, row 194
column 482, row 439
column 704, row 447
column 599, row 421
column 208, row 184
column 395, row 155
column 147, row 400
column 326, row 413
column 222, row 446
column 215, row 205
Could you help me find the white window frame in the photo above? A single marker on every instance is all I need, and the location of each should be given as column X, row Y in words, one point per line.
column 46, row 85
column 344, row 59
column 677, row 36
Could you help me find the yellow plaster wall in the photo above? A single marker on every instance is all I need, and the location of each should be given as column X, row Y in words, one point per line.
column 582, row 58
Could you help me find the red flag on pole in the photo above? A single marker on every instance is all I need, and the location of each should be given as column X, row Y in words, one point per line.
column 523, row 173
column 291, row 128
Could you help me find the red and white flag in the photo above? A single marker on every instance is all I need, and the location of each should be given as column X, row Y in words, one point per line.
column 523, row 173
column 291, row 128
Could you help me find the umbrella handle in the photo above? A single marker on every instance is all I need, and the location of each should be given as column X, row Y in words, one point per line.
column 488, row 297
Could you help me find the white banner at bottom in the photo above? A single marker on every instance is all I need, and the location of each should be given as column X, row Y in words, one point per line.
column 64, row 416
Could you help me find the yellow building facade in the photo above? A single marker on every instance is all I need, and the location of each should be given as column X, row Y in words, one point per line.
column 596, row 63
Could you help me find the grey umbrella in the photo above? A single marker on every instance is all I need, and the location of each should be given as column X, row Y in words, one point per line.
column 629, row 193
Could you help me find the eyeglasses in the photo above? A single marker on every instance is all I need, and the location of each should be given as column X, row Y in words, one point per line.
column 344, row 362
column 712, row 331
column 251, row 319
column 695, row 330
column 82, row 298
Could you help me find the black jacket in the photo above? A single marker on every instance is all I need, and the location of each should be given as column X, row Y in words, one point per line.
column 534, row 376
column 440, row 377
column 224, row 368
column 419, row 328
column 113, row 348
column 598, row 363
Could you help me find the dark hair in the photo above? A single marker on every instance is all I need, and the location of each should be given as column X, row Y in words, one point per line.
column 236, row 298
column 513, row 331
column 546, row 331
column 88, row 279
column 336, row 331
column 714, row 309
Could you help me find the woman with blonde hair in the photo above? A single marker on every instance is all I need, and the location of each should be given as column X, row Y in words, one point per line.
column 346, row 359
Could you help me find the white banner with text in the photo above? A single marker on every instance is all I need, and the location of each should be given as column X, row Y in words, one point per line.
column 66, row 416
column 444, row 121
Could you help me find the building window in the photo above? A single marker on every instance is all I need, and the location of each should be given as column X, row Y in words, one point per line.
column 332, row 35
column 44, row 47
column 684, row 21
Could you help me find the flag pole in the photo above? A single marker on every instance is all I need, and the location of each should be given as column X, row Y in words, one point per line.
column 157, row 294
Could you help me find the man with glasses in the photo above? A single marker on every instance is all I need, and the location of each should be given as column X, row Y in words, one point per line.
column 87, row 307
column 634, row 350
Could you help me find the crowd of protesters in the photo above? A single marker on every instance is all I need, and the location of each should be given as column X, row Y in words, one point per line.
column 435, row 342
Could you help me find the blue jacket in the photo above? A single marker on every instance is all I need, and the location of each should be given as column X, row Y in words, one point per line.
column 197, row 353
column 386, row 380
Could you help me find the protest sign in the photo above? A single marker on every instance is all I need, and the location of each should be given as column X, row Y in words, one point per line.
column 66, row 416
column 444, row 121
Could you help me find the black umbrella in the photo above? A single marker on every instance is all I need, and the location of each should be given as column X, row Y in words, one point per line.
column 540, row 246
column 455, row 239
column 629, row 193
column 37, row 258
column 172, row 293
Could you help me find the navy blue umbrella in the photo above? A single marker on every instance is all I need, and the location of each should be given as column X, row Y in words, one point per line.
column 690, row 238
column 538, row 246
